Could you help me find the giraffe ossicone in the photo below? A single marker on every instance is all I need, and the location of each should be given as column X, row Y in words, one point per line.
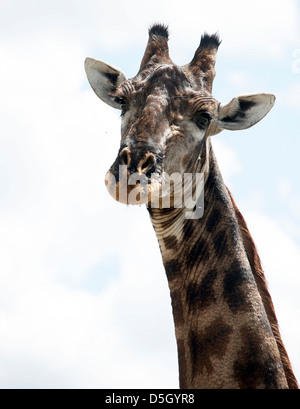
column 225, row 324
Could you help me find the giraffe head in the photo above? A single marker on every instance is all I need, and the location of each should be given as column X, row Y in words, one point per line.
column 167, row 114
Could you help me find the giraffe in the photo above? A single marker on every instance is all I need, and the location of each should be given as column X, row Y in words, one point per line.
column 225, row 324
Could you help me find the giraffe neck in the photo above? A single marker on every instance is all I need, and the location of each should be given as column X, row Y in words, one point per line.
column 224, row 336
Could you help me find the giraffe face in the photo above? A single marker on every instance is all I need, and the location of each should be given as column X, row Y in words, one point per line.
column 163, row 120
column 162, row 114
column 167, row 114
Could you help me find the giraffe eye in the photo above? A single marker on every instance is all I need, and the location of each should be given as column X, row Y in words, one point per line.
column 123, row 105
column 202, row 119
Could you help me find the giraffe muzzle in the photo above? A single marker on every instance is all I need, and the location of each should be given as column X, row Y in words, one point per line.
column 130, row 179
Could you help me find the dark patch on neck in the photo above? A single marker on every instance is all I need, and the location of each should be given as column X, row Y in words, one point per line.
column 252, row 369
column 220, row 244
column 188, row 229
column 234, row 282
column 173, row 269
column 199, row 254
column 170, row 242
column 201, row 296
column 204, row 345
column 213, row 220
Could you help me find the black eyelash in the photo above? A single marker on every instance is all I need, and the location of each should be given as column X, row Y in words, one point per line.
column 123, row 104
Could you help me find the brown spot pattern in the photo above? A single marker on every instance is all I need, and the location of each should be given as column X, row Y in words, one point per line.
column 199, row 254
column 200, row 296
column 173, row 269
column 233, row 287
column 207, row 344
column 170, row 242
column 253, row 369
column 213, row 220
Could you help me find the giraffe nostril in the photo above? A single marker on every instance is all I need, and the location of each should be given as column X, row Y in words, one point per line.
column 147, row 165
column 125, row 157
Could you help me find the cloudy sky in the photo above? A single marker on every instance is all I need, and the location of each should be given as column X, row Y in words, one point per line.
column 82, row 305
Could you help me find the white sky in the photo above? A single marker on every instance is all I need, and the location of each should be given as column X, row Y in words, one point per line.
column 84, row 301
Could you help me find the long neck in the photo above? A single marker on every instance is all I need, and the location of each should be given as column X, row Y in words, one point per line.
column 224, row 336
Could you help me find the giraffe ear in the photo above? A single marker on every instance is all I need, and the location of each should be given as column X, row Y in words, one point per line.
column 104, row 79
column 244, row 111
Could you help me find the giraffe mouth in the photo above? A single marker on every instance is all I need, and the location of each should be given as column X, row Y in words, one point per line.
column 133, row 189
column 160, row 190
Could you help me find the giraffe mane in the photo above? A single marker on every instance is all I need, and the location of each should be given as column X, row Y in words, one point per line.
column 262, row 286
